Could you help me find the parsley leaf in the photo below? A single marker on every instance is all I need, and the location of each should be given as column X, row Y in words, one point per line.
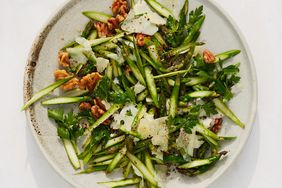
column 175, row 33
column 100, row 133
column 209, row 108
column 120, row 97
column 186, row 122
column 103, row 91
column 68, row 124
column 56, row 114
column 228, row 75
column 87, row 68
column 225, row 79
column 172, row 24
column 103, row 88
column 195, row 15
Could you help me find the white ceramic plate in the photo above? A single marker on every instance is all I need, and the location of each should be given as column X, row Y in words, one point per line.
column 220, row 34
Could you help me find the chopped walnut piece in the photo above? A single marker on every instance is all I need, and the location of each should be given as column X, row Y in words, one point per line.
column 85, row 106
column 72, row 84
column 63, row 59
column 97, row 112
column 140, row 39
column 103, row 29
column 120, row 7
column 61, row 74
column 217, row 125
column 90, row 81
column 113, row 23
column 127, row 70
column 99, row 103
column 209, row 57
column 120, row 17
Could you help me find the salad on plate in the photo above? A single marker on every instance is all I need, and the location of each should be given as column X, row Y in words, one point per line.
column 149, row 99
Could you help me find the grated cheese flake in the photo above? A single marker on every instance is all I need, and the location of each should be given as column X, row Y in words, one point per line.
column 155, row 129
column 125, row 117
column 102, row 64
column 138, row 88
column 188, row 142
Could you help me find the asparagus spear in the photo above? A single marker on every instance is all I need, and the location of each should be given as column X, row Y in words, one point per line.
column 93, row 35
column 200, row 162
column 151, row 86
column 132, row 3
column 174, row 97
column 161, row 40
column 93, row 169
column 142, row 168
column 195, row 28
column 158, row 67
column 87, row 30
column 127, row 170
column 103, row 118
column 136, row 71
column 65, row 100
column 103, row 163
column 226, row 55
column 138, row 58
column 202, row 94
column 121, row 183
column 227, row 111
column 153, row 52
column 70, row 150
column 186, row 47
column 191, row 81
column 119, row 156
column 163, row 11
column 114, row 141
column 103, row 158
column 171, row 74
column 97, row 16
column 141, row 111
column 45, row 91
column 148, row 163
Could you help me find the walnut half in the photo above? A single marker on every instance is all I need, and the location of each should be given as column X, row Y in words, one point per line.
column 90, row 81
column 209, row 57
column 63, row 59
column 217, row 125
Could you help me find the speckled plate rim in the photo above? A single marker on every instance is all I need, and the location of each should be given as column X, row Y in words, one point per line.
column 33, row 58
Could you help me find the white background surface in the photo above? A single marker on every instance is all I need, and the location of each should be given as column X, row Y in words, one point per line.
column 258, row 166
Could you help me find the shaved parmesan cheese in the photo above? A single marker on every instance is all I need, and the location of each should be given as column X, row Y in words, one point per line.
column 106, row 104
column 157, row 153
column 138, row 88
column 139, row 25
column 125, row 117
column 102, row 64
column 188, row 142
column 141, row 19
column 77, row 55
column 116, row 56
column 116, row 81
column 155, row 129
column 141, row 7
column 83, row 42
column 207, row 122
column 167, row 104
